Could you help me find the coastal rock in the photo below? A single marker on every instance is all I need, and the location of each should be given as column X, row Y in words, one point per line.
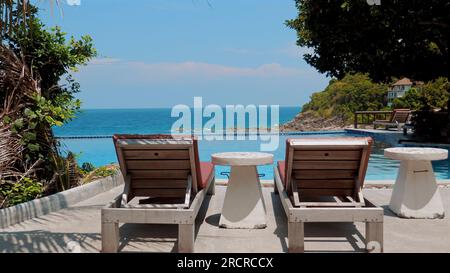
column 309, row 121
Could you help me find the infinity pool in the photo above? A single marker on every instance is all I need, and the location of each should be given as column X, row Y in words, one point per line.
column 101, row 152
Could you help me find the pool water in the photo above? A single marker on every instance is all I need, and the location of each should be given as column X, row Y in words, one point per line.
column 101, row 152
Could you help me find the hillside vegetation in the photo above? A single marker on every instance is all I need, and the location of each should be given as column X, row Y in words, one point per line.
column 343, row 97
column 333, row 107
column 432, row 95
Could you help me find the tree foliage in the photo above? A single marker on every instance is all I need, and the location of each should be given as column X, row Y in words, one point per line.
column 36, row 93
column 343, row 97
column 357, row 92
column 429, row 120
column 395, row 39
column 12, row 11
column 430, row 96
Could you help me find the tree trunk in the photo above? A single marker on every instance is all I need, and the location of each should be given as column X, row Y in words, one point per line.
column 448, row 107
column 448, row 111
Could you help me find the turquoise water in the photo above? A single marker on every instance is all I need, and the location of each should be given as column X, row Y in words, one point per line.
column 107, row 122
column 95, row 122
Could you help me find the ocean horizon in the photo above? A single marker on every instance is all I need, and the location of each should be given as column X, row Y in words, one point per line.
column 106, row 122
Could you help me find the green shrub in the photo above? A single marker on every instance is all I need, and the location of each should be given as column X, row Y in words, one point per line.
column 104, row 171
column 87, row 167
column 100, row 172
column 19, row 192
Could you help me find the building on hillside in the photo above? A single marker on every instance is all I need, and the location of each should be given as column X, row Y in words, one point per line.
column 399, row 89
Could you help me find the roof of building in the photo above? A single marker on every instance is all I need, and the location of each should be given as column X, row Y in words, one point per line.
column 404, row 81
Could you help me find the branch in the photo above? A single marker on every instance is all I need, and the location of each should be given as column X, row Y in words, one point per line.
column 31, row 169
column 433, row 23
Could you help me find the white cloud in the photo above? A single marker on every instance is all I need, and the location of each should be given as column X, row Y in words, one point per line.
column 104, row 61
column 73, row 2
column 212, row 70
column 291, row 50
column 109, row 83
column 137, row 71
column 295, row 51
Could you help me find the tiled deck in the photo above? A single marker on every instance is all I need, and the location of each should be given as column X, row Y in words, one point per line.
column 81, row 223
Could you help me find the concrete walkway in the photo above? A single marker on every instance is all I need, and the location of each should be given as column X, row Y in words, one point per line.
column 80, row 225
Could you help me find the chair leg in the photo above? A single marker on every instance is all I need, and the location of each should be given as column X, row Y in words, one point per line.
column 110, row 237
column 186, row 238
column 374, row 237
column 296, row 237
column 212, row 187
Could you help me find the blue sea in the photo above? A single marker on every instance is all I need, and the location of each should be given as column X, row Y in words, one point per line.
column 98, row 122
column 106, row 122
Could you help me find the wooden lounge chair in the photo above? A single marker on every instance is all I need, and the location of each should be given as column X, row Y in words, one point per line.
column 166, row 171
column 398, row 119
column 321, row 180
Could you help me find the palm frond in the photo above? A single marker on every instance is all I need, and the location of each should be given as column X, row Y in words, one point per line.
column 17, row 86
column 13, row 11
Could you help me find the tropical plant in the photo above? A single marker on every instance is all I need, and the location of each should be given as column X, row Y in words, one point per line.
column 100, row 172
column 21, row 191
column 12, row 10
column 33, row 64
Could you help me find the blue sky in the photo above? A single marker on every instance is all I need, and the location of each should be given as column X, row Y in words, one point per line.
column 158, row 53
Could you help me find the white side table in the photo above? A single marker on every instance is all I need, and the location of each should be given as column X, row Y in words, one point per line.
column 415, row 193
column 243, row 205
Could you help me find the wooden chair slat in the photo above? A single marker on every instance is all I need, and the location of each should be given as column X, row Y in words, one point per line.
column 169, row 174
column 324, row 174
column 160, row 192
column 158, row 183
column 327, row 155
column 158, row 164
column 156, row 154
column 324, row 184
column 325, row 165
column 324, row 192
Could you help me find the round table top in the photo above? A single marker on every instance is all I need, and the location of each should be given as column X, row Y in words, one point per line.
column 242, row 158
column 415, row 153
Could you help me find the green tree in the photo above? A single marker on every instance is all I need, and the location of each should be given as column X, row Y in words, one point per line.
column 51, row 57
column 11, row 11
column 37, row 93
column 413, row 99
column 432, row 95
column 343, row 97
column 399, row 38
